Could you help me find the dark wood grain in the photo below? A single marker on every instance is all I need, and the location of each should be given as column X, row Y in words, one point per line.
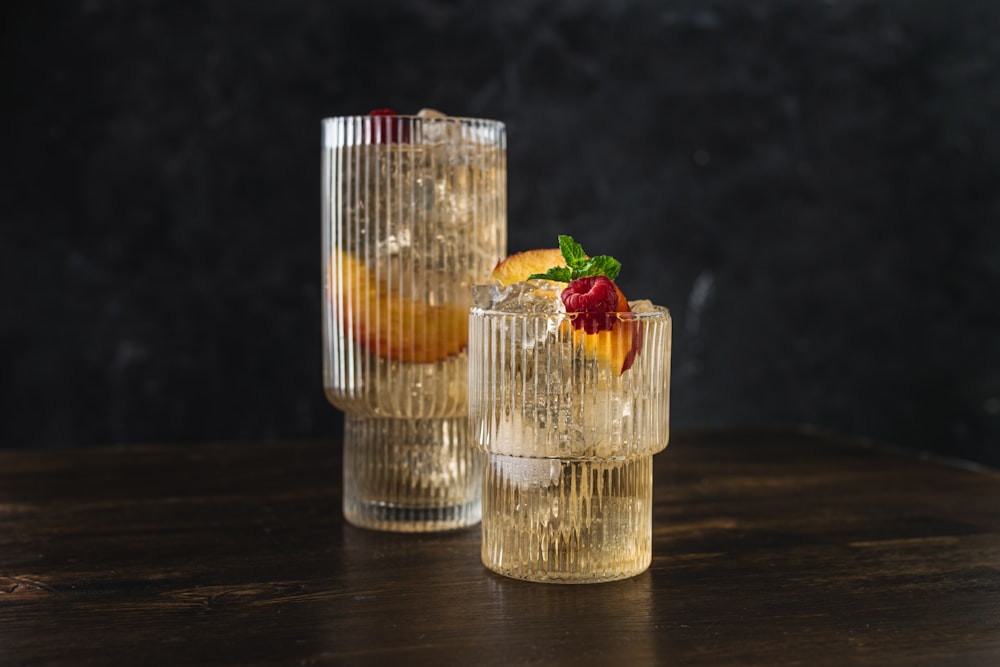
column 770, row 548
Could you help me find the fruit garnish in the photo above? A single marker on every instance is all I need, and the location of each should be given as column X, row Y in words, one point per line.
column 520, row 266
column 592, row 297
column 601, row 314
column 387, row 128
column 390, row 325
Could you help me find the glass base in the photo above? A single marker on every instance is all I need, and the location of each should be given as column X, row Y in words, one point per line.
column 567, row 521
column 411, row 475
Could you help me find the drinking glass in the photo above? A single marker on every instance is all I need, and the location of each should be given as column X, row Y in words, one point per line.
column 570, row 439
column 414, row 213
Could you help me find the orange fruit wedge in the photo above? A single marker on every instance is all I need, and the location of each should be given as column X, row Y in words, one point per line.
column 390, row 325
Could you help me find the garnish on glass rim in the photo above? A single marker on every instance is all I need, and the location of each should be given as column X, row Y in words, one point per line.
column 598, row 304
column 390, row 130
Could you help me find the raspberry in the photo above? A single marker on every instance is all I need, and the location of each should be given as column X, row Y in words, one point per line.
column 387, row 128
column 593, row 297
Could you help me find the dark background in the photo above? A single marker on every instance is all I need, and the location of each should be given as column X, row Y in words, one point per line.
column 812, row 187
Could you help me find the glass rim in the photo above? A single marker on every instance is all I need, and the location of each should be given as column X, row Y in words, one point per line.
column 421, row 119
column 623, row 316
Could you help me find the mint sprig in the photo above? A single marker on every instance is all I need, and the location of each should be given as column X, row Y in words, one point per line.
column 578, row 265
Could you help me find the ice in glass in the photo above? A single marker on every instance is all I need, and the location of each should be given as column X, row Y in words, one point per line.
column 414, row 214
column 569, row 405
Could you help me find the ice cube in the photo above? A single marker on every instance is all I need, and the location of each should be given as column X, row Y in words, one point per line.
column 439, row 129
column 530, row 296
column 645, row 306
column 394, row 243
column 431, row 114
column 604, row 416
column 526, row 472
column 483, row 296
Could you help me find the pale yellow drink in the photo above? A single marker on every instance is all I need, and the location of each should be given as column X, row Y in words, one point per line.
column 569, row 439
column 414, row 213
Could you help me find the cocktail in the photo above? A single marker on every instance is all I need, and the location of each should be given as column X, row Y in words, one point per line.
column 414, row 214
column 569, row 398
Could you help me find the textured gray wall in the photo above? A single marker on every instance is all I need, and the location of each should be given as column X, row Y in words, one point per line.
column 811, row 186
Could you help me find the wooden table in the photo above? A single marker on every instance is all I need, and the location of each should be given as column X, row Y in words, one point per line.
column 770, row 548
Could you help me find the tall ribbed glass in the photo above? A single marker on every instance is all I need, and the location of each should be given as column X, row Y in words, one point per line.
column 414, row 213
column 569, row 438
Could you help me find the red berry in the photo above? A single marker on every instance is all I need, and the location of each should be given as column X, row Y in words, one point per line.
column 387, row 128
column 593, row 297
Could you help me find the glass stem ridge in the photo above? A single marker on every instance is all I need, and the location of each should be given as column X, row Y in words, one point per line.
column 411, row 475
column 567, row 520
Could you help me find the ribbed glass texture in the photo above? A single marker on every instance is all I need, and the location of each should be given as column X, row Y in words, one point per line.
column 569, row 438
column 410, row 475
column 414, row 213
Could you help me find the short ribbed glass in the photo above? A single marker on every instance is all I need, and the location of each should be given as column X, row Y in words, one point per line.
column 414, row 213
column 569, row 439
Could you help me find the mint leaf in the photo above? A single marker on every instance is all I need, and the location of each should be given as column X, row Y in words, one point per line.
column 560, row 274
column 572, row 251
column 578, row 264
column 602, row 265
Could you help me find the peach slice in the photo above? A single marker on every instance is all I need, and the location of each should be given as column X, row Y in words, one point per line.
column 519, row 266
column 389, row 325
column 617, row 346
